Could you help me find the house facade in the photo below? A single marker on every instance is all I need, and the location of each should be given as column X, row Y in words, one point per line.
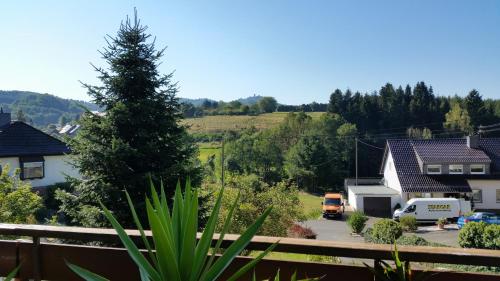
column 436, row 168
column 42, row 159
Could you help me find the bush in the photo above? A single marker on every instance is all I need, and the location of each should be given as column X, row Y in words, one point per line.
column 491, row 237
column 298, row 231
column 442, row 221
column 357, row 221
column 385, row 231
column 367, row 235
column 408, row 223
column 412, row 240
column 471, row 235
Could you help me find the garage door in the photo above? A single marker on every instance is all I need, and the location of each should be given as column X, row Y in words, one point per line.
column 377, row 206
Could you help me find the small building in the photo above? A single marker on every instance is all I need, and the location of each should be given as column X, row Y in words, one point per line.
column 41, row 158
column 435, row 168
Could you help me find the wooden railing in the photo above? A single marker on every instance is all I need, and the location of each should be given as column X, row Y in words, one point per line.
column 41, row 260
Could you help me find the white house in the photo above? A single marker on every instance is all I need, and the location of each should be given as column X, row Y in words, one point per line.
column 41, row 158
column 468, row 168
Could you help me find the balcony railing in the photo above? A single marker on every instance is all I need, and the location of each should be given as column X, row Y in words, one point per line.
column 43, row 260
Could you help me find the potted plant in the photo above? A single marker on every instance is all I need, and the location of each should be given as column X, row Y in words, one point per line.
column 441, row 222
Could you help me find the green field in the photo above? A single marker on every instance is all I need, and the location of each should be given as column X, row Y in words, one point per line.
column 312, row 204
column 208, row 149
column 221, row 123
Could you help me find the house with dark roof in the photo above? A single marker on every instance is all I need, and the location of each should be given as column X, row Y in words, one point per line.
column 41, row 158
column 436, row 168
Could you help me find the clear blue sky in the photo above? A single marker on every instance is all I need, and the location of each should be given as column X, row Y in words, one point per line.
column 296, row 51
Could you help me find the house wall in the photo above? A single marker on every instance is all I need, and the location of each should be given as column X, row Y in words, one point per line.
column 489, row 188
column 391, row 179
column 356, row 201
column 55, row 169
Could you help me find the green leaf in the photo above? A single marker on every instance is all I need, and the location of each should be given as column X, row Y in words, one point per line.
column 236, row 247
column 141, row 230
column 244, row 269
column 85, row 274
column 132, row 249
column 13, row 273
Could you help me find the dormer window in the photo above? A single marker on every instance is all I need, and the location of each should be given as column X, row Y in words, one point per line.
column 477, row 169
column 456, row 169
column 433, row 169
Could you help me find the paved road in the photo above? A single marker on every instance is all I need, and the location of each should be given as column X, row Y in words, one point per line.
column 338, row 230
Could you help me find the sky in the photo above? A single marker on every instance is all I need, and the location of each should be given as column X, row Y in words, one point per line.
column 296, row 51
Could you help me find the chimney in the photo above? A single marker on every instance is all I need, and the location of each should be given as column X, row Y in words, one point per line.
column 4, row 118
column 473, row 141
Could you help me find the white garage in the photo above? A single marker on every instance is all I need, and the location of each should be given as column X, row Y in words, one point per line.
column 373, row 200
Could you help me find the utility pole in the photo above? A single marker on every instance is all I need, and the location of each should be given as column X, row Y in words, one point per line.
column 356, row 140
column 222, row 162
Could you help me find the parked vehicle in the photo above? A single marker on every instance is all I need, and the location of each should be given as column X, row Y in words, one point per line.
column 489, row 218
column 333, row 207
column 432, row 209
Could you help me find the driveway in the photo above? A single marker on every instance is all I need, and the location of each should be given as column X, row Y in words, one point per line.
column 338, row 230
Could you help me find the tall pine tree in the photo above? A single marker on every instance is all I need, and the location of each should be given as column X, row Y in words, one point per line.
column 138, row 135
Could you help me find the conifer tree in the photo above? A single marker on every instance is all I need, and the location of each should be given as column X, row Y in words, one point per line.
column 136, row 137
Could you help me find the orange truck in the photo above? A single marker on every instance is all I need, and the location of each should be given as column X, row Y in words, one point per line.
column 333, row 207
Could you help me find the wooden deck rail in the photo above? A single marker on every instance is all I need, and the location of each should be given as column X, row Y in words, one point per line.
column 40, row 252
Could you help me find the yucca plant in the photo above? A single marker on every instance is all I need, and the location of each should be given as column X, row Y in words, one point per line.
column 293, row 278
column 176, row 254
column 11, row 275
column 401, row 272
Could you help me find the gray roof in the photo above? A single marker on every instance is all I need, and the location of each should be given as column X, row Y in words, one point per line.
column 448, row 151
column 372, row 190
column 404, row 153
column 20, row 139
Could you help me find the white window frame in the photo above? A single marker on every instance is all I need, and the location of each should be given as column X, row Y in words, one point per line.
column 476, row 166
column 434, row 166
column 456, row 166
column 480, row 191
column 36, row 165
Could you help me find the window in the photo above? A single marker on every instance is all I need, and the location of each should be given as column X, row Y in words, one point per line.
column 477, row 196
column 433, row 169
column 456, row 169
column 477, row 169
column 32, row 167
column 411, row 209
column 498, row 195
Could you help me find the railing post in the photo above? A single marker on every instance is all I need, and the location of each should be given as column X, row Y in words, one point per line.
column 36, row 259
column 378, row 268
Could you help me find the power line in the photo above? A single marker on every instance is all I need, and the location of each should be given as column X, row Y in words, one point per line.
column 367, row 144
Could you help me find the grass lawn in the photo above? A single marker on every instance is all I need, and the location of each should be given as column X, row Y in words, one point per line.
column 208, row 149
column 221, row 123
column 312, row 204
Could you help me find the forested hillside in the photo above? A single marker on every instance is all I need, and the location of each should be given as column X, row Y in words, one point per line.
column 42, row 109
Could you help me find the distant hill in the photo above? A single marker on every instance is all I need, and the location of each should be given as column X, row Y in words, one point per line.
column 42, row 109
column 251, row 100
column 195, row 102
column 198, row 102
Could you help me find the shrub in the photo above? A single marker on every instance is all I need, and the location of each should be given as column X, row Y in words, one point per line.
column 385, row 231
column 357, row 221
column 367, row 235
column 298, row 231
column 408, row 223
column 412, row 240
column 442, row 221
column 491, row 237
column 471, row 235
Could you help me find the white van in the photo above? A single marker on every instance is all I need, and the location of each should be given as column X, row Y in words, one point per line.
column 431, row 209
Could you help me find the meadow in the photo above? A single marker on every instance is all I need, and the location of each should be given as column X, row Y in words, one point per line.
column 221, row 123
